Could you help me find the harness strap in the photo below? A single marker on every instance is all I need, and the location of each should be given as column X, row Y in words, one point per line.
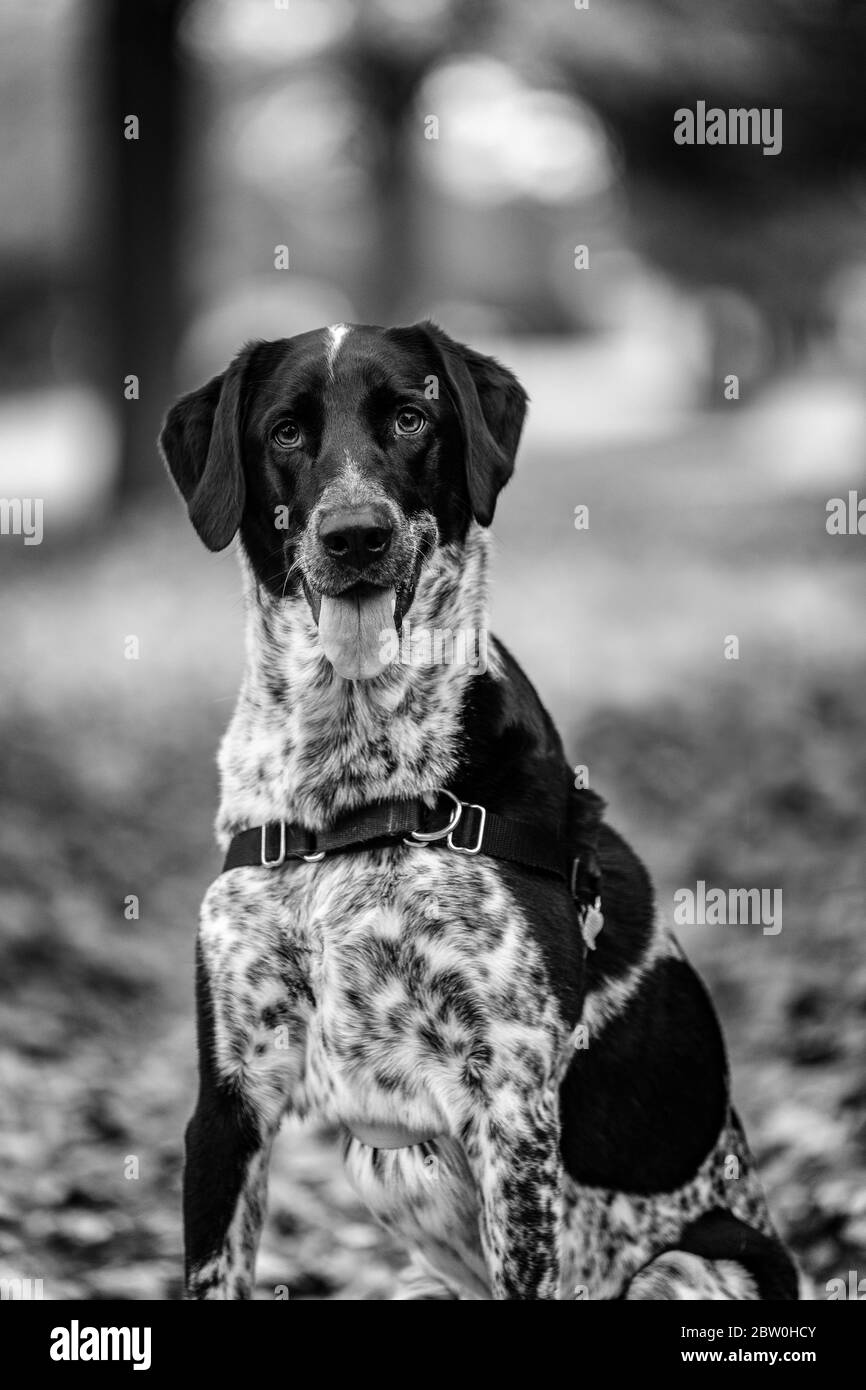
column 460, row 826
column 271, row 845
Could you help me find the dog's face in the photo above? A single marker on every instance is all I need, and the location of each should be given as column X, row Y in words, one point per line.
column 344, row 457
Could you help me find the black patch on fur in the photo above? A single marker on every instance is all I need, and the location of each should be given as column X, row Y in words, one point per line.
column 719, row 1235
column 513, row 763
column 644, row 1103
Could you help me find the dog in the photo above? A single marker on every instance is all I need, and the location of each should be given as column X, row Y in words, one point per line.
column 424, row 934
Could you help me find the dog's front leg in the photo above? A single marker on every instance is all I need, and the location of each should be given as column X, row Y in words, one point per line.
column 224, row 1196
column 243, row 1089
column 516, row 1157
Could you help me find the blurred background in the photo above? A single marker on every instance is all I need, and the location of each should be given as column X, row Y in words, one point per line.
column 446, row 158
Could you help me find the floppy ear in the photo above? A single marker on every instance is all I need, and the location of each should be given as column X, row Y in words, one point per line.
column 201, row 444
column 491, row 405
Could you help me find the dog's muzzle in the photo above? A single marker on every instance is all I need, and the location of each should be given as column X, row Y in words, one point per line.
column 355, row 566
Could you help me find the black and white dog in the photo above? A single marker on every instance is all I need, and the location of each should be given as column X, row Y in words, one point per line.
column 398, row 942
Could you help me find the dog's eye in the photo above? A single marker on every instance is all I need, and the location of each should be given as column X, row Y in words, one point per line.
column 409, row 421
column 287, row 435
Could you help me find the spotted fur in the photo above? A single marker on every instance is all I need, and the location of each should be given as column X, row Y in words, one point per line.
column 568, row 1132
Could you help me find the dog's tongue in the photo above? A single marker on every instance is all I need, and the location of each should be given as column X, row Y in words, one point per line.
column 354, row 629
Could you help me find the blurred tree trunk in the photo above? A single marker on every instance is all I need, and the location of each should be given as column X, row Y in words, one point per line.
column 385, row 83
column 385, row 76
column 137, row 279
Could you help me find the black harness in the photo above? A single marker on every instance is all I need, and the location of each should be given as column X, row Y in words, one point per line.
column 462, row 827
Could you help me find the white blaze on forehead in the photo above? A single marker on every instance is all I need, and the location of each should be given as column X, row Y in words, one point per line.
column 334, row 337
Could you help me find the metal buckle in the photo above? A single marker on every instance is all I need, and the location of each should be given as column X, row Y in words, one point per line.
column 476, row 848
column 575, row 870
column 281, row 857
column 426, row 837
column 314, row 857
column 593, row 877
column 273, row 863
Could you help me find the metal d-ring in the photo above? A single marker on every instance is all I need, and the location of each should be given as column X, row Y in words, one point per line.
column 273, row 863
column 314, row 856
column 476, row 848
column 426, row 837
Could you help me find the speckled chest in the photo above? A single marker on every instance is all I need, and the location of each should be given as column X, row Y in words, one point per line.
column 387, row 986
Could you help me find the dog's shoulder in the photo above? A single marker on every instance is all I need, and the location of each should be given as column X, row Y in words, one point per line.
column 511, row 752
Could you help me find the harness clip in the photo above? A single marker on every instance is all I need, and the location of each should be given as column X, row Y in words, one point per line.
column 476, row 848
column 426, row 837
column 273, row 863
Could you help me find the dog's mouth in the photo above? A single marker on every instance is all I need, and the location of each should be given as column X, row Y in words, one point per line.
column 356, row 628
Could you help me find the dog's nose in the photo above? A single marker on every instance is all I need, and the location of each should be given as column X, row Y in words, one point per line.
column 356, row 537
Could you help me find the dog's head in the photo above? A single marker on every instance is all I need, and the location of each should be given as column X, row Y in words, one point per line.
column 344, row 457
